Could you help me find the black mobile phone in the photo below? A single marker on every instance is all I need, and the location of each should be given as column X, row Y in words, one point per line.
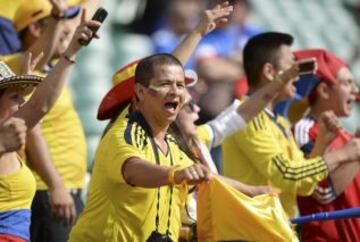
column 100, row 15
column 307, row 66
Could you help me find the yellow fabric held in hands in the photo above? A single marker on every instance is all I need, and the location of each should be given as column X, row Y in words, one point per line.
column 224, row 213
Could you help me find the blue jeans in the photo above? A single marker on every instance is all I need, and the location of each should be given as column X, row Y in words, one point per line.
column 44, row 227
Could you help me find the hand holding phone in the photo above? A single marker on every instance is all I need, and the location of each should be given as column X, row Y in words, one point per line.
column 100, row 15
column 307, row 66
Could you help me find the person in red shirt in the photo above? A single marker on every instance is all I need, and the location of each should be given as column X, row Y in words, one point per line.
column 331, row 89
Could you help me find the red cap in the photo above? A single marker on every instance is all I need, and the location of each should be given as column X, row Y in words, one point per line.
column 328, row 66
column 124, row 91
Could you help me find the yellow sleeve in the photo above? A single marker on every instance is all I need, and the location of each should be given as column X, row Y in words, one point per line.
column 115, row 164
column 120, row 145
column 271, row 157
column 203, row 133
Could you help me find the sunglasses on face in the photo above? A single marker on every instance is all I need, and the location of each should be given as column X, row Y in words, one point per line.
column 189, row 106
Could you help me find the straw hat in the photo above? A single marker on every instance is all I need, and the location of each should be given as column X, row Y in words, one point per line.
column 9, row 79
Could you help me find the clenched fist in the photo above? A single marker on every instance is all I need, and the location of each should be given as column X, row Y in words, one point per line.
column 192, row 175
column 12, row 135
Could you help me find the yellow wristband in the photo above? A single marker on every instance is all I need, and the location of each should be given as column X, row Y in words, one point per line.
column 171, row 174
column 184, row 189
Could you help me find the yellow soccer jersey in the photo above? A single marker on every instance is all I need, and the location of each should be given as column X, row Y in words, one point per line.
column 116, row 211
column 265, row 153
column 64, row 135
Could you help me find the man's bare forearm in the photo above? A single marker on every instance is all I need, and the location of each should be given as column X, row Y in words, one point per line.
column 142, row 173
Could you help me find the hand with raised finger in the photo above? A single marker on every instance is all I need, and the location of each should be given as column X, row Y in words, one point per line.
column 31, row 63
column 83, row 33
column 12, row 135
column 58, row 8
column 62, row 205
column 212, row 18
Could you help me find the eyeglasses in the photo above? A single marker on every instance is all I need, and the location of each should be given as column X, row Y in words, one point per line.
column 189, row 106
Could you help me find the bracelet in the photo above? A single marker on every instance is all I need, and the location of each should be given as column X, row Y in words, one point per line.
column 57, row 15
column 72, row 61
column 171, row 174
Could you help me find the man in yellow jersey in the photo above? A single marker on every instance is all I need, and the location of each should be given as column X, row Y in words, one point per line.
column 265, row 153
column 135, row 189
column 57, row 201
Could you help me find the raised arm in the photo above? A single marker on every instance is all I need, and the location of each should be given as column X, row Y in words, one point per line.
column 90, row 6
column 262, row 97
column 210, row 19
column 236, row 116
column 47, row 41
column 49, row 90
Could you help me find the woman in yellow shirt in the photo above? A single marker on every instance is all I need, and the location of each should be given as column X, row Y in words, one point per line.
column 17, row 185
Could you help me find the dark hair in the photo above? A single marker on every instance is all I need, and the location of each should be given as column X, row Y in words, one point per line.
column 144, row 71
column 260, row 49
column 182, row 142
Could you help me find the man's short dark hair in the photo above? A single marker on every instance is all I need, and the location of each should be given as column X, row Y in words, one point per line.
column 144, row 71
column 261, row 49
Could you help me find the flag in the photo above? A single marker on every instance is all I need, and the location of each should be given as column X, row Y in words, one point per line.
column 223, row 213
